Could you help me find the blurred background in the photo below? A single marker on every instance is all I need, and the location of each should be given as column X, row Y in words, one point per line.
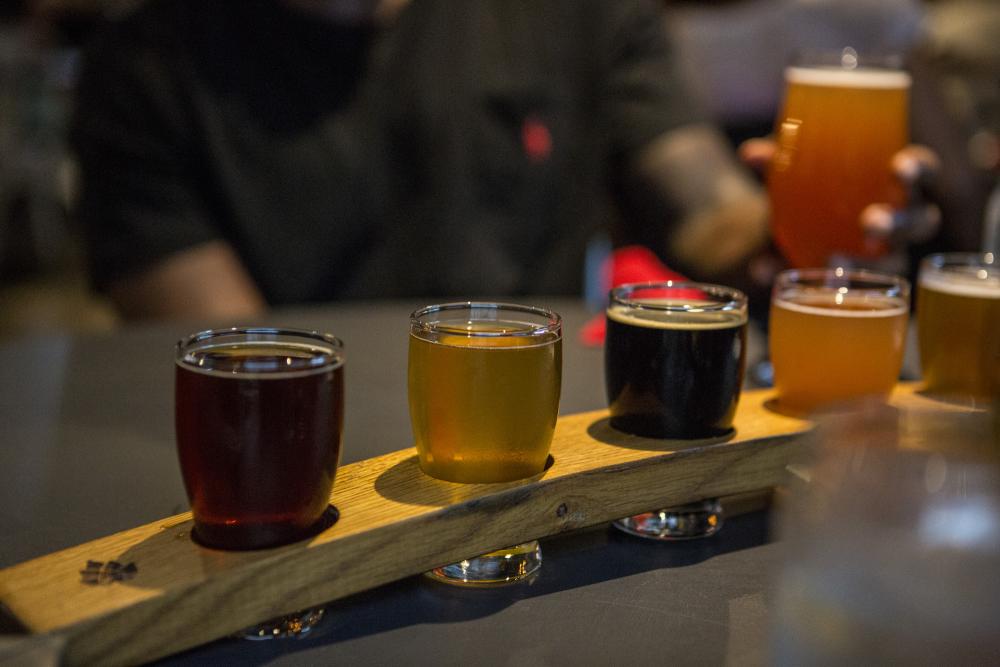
column 43, row 285
column 732, row 53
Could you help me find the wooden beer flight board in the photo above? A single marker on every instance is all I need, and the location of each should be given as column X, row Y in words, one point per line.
column 172, row 594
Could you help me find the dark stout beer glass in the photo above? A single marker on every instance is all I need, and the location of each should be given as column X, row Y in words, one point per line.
column 674, row 360
column 259, row 417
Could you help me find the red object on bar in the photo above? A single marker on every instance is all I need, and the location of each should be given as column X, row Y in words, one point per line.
column 630, row 264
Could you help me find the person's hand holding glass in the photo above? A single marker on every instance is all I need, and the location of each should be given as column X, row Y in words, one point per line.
column 845, row 186
column 484, row 385
column 840, row 124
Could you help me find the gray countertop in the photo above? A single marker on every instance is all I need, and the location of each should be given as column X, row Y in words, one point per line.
column 88, row 450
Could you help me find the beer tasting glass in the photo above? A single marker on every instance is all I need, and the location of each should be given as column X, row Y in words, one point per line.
column 958, row 323
column 675, row 354
column 835, row 335
column 842, row 120
column 484, row 384
column 259, row 420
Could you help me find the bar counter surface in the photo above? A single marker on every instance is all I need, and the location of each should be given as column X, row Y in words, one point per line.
column 88, row 450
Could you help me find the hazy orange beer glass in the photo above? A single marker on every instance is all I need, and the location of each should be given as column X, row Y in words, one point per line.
column 836, row 334
column 839, row 126
column 958, row 323
column 484, row 385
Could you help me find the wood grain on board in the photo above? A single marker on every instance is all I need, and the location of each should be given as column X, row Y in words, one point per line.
column 394, row 522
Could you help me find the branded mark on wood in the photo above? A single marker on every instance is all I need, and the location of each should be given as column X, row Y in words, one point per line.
column 98, row 573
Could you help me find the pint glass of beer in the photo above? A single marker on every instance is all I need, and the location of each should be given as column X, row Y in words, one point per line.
column 841, row 122
column 484, row 385
column 259, row 418
column 836, row 335
column 674, row 358
column 958, row 323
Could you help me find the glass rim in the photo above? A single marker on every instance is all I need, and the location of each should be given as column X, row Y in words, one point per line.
column 553, row 324
column 940, row 260
column 734, row 299
column 847, row 58
column 793, row 277
column 335, row 356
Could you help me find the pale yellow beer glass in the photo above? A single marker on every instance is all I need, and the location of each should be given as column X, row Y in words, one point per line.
column 958, row 323
column 836, row 335
column 484, row 385
column 839, row 126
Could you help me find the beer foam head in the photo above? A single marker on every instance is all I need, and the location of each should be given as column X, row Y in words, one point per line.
column 663, row 317
column 969, row 281
column 834, row 304
column 847, row 78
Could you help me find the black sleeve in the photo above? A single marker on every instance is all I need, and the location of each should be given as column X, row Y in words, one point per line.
column 642, row 95
column 140, row 197
column 642, row 98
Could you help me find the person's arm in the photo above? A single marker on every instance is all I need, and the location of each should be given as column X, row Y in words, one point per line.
column 156, row 244
column 206, row 282
column 722, row 216
column 680, row 188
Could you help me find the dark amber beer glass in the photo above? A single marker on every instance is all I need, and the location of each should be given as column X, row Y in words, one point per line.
column 958, row 323
column 484, row 385
column 674, row 359
column 840, row 124
column 836, row 335
column 259, row 418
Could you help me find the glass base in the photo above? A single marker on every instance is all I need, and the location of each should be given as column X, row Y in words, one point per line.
column 683, row 522
column 497, row 568
column 296, row 626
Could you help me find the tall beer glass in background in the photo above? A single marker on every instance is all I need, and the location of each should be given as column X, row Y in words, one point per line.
column 841, row 122
column 958, row 323
column 259, row 421
column 836, row 335
column 674, row 359
column 484, row 384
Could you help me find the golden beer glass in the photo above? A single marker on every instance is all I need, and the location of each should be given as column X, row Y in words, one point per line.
column 484, row 384
column 836, row 335
column 841, row 122
column 958, row 323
